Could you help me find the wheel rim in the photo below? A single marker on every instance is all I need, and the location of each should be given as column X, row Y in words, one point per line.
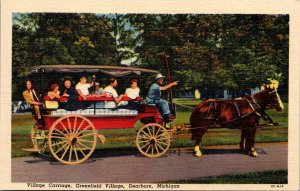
column 153, row 140
column 38, row 138
column 72, row 139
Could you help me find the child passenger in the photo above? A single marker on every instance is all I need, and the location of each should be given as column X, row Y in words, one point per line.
column 54, row 91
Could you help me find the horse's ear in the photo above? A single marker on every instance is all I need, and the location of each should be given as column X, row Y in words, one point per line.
column 267, row 87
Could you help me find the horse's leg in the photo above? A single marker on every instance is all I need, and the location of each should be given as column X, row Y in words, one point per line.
column 249, row 146
column 252, row 137
column 243, row 136
column 197, row 136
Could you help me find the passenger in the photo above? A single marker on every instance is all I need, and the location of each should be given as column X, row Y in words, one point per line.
column 99, row 91
column 54, row 91
column 69, row 91
column 83, row 87
column 134, row 91
column 31, row 97
column 111, row 92
column 154, row 96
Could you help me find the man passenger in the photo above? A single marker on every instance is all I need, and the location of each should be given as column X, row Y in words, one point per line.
column 31, row 97
column 83, row 87
column 111, row 92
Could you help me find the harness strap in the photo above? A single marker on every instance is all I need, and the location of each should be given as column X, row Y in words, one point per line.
column 213, row 104
column 254, row 106
column 237, row 109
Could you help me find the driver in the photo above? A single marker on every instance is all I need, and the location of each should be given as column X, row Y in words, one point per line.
column 154, row 96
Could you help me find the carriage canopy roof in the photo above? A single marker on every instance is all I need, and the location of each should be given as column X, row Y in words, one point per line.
column 110, row 70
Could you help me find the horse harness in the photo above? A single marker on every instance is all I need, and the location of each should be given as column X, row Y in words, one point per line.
column 213, row 106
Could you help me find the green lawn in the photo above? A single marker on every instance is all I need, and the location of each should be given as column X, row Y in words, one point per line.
column 124, row 138
column 268, row 177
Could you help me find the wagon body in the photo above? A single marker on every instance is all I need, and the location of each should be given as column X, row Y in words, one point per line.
column 109, row 120
column 71, row 136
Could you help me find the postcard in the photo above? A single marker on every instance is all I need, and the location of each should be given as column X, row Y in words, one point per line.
column 149, row 95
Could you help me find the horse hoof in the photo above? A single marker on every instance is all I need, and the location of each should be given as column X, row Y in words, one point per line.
column 198, row 153
column 252, row 153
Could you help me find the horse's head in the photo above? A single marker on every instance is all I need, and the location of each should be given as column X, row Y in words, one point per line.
column 272, row 98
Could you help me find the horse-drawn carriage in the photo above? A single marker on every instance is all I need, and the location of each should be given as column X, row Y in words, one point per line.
column 71, row 135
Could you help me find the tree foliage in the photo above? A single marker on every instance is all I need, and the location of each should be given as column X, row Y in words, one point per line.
column 204, row 51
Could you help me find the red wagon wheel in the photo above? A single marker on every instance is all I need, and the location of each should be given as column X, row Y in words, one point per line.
column 153, row 140
column 39, row 139
column 72, row 139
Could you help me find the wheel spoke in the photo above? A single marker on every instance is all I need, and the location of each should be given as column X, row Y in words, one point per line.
column 84, row 129
column 162, row 142
column 63, row 126
column 148, row 148
column 58, row 137
column 157, row 132
column 84, row 145
column 162, row 134
column 145, row 145
column 70, row 155
column 142, row 137
column 80, row 149
column 145, row 133
column 74, row 125
column 79, row 127
column 59, row 143
column 60, row 132
column 160, row 146
column 152, row 149
column 75, row 151
column 149, row 131
column 69, row 124
column 163, row 138
column 85, row 135
column 144, row 141
column 153, row 130
column 65, row 152
column 57, row 133
column 61, row 148
column 156, row 149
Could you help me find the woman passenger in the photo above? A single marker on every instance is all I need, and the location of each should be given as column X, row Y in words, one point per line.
column 70, row 92
column 134, row 91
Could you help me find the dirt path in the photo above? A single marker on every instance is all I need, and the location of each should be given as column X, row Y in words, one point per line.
column 177, row 165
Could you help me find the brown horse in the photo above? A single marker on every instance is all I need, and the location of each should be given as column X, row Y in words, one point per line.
column 241, row 113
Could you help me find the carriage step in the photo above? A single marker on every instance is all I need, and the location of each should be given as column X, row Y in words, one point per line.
column 31, row 150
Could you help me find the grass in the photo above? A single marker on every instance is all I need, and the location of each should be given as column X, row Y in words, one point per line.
column 124, row 138
column 268, row 177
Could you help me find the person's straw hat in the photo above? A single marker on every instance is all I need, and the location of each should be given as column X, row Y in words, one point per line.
column 159, row 76
column 97, row 84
